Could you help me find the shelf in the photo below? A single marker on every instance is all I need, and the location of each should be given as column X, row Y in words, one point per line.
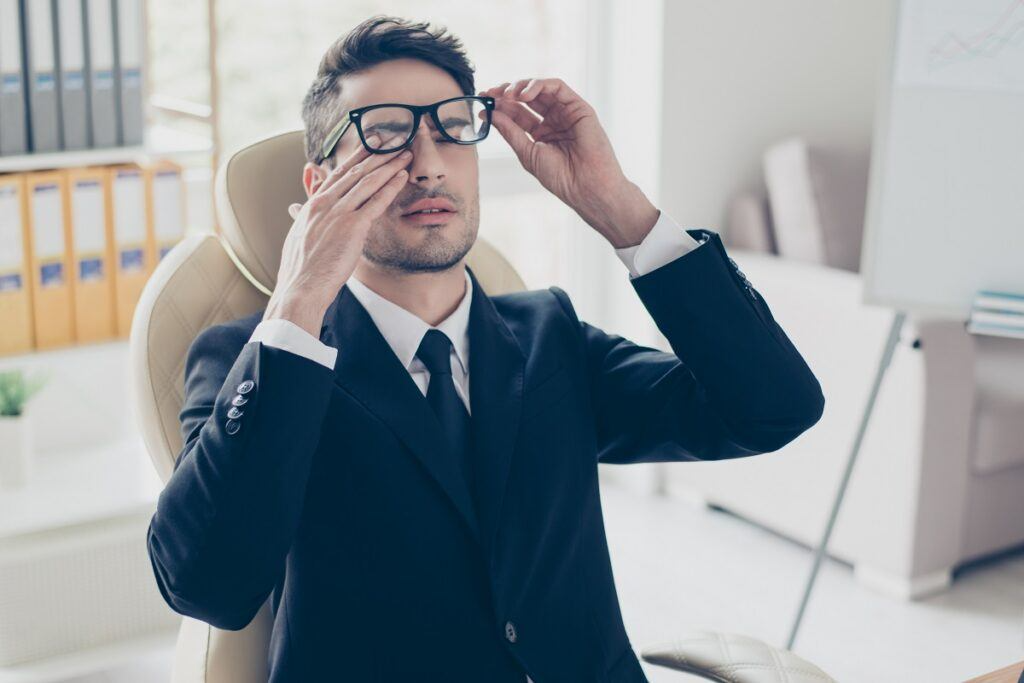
column 161, row 141
column 84, row 157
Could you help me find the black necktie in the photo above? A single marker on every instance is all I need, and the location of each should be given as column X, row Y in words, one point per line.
column 435, row 352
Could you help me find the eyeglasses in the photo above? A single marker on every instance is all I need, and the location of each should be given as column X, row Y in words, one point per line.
column 457, row 119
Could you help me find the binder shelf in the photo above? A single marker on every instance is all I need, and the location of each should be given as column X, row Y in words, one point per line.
column 85, row 157
column 77, row 246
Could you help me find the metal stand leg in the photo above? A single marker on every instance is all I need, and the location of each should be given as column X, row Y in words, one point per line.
column 883, row 364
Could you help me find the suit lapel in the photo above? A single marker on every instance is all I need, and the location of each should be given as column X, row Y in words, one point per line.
column 369, row 370
column 496, row 364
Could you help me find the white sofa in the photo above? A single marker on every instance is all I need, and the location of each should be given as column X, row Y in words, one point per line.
column 939, row 478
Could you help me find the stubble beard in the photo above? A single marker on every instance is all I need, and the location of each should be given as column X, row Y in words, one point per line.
column 437, row 250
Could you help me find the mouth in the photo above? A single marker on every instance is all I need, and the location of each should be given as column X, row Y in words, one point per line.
column 432, row 217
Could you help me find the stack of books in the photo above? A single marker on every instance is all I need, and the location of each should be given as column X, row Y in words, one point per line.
column 997, row 313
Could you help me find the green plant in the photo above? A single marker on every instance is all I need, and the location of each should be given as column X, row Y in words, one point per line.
column 16, row 389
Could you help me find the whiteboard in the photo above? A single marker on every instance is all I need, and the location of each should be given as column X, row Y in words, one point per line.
column 945, row 213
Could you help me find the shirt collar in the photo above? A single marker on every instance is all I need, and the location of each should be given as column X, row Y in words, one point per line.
column 404, row 330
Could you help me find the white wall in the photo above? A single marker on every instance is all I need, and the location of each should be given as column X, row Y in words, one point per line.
column 732, row 77
column 739, row 75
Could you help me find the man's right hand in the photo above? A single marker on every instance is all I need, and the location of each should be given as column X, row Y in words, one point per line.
column 326, row 239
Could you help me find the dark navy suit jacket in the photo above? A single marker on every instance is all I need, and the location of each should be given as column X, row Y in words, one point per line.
column 333, row 499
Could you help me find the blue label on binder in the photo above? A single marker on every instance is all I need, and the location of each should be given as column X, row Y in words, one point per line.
column 74, row 80
column 11, row 83
column 164, row 250
column 131, row 259
column 10, row 282
column 51, row 274
column 90, row 269
column 44, row 81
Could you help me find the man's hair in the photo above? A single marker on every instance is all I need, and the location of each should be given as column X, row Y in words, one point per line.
column 377, row 39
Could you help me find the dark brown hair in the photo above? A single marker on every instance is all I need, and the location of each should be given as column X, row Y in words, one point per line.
column 377, row 39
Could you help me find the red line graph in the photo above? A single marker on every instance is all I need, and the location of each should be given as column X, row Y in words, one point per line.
column 987, row 42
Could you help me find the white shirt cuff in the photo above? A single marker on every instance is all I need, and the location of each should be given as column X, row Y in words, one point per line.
column 664, row 243
column 284, row 334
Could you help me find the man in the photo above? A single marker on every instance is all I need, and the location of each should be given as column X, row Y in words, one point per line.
column 408, row 466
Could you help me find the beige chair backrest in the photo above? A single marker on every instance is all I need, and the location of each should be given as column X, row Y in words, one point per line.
column 208, row 279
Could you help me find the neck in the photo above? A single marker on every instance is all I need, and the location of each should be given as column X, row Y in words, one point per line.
column 431, row 296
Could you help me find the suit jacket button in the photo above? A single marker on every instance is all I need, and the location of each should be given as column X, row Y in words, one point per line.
column 510, row 631
column 234, row 413
column 239, row 400
column 245, row 387
column 232, row 426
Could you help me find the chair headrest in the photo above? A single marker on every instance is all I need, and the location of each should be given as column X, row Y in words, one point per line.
column 254, row 188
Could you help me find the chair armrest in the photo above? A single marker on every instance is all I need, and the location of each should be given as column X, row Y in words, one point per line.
column 732, row 658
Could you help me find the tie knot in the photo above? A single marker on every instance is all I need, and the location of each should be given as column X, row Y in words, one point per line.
column 435, row 352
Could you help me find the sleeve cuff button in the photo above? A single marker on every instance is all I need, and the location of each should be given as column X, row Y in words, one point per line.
column 232, row 427
column 245, row 387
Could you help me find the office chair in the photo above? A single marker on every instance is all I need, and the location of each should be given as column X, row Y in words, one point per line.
column 208, row 279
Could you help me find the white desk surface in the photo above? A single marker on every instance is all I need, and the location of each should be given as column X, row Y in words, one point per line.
column 76, row 487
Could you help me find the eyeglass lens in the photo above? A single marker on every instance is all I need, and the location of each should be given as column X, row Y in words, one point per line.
column 459, row 118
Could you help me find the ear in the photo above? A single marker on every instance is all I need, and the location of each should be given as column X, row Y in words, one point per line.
column 312, row 176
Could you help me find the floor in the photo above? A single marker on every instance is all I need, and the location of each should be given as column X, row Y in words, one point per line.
column 680, row 567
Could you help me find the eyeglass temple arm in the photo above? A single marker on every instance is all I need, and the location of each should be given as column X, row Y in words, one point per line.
column 334, row 136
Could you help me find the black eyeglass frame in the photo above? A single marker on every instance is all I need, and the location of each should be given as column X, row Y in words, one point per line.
column 354, row 116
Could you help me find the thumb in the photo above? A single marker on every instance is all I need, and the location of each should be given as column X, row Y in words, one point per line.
column 293, row 210
column 513, row 134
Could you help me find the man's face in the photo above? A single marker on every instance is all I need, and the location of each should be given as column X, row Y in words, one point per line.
column 438, row 169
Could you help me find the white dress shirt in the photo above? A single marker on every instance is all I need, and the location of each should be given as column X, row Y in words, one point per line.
column 404, row 330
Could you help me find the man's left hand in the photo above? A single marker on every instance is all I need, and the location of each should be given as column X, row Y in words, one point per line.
column 556, row 136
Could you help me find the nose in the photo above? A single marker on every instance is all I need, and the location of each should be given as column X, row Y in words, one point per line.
column 427, row 167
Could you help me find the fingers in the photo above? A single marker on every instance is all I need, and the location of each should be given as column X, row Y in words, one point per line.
column 541, row 94
column 512, row 119
column 343, row 185
column 358, row 156
column 554, row 89
column 495, row 91
column 382, row 198
column 524, row 117
column 528, row 101
column 514, row 135
column 513, row 89
column 369, row 184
